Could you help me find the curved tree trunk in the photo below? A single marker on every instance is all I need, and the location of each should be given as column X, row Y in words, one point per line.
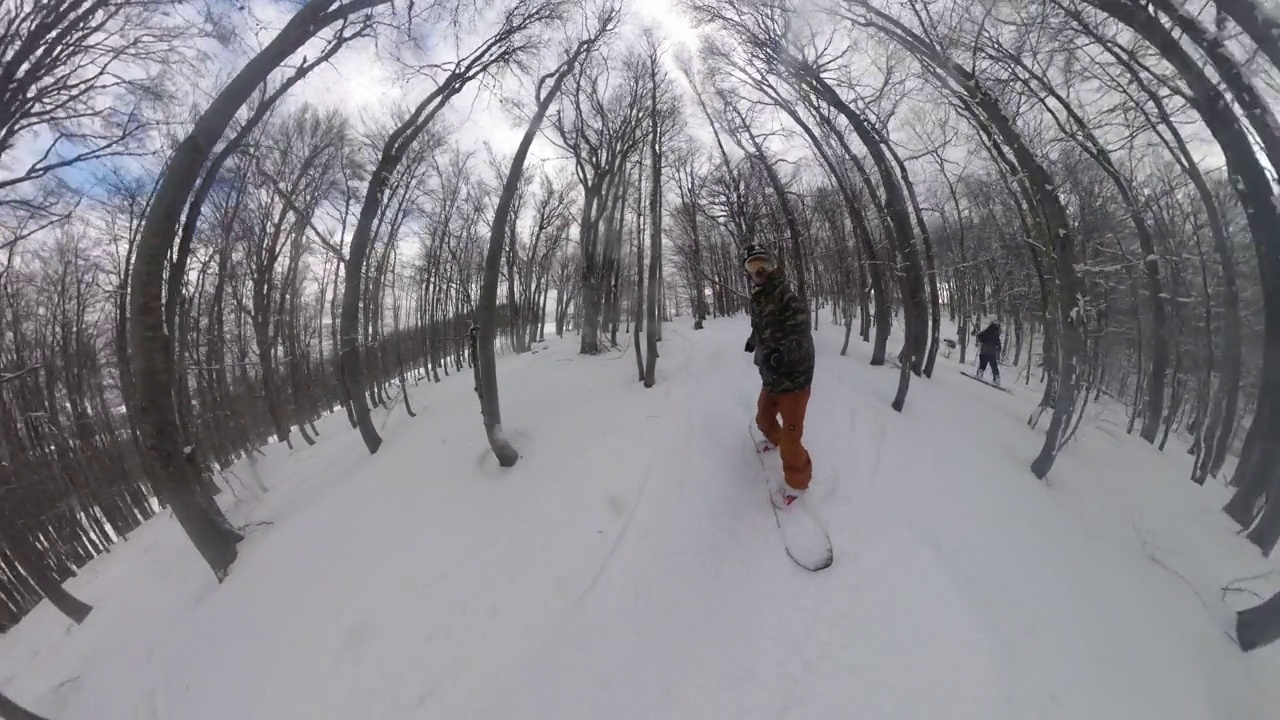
column 30, row 560
column 176, row 476
column 895, row 222
column 489, row 54
column 931, row 270
column 871, row 264
column 488, row 311
column 1153, row 404
column 1252, row 186
column 10, row 710
column 1067, row 311
column 1259, row 626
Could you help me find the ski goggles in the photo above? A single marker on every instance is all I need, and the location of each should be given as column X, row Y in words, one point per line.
column 755, row 265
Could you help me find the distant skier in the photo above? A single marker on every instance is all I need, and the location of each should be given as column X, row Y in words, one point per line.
column 782, row 341
column 989, row 348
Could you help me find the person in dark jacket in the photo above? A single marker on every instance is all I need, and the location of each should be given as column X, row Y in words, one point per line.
column 989, row 348
column 782, row 342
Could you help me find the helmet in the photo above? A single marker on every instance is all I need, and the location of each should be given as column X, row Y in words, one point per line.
column 754, row 252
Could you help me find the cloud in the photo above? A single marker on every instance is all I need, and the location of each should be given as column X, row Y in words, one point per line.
column 366, row 83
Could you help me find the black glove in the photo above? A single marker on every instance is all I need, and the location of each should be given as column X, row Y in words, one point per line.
column 750, row 346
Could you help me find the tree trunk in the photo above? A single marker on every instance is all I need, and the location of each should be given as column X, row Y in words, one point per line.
column 655, row 233
column 699, row 292
column 176, row 476
column 353, row 375
column 1252, row 186
column 638, row 309
column 31, row 561
column 853, row 206
column 1259, row 626
column 1088, row 142
column 488, row 310
column 10, row 710
column 1068, row 315
column 931, row 271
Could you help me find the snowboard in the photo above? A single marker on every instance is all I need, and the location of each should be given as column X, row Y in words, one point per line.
column 984, row 382
column 803, row 537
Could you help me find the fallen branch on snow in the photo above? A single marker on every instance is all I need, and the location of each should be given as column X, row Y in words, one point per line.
column 258, row 523
column 1235, row 585
column 1146, row 550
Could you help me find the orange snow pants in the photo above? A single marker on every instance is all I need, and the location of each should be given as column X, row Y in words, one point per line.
column 796, row 465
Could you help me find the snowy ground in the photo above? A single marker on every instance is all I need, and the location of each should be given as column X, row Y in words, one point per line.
column 629, row 567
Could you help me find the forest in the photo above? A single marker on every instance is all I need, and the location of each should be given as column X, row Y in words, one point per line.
column 200, row 255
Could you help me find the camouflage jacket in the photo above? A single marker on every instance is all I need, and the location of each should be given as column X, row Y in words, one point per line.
column 780, row 322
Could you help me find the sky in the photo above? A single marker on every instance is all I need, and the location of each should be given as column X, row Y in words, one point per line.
column 362, row 81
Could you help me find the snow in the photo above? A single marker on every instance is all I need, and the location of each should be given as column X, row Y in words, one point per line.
column 629, row 565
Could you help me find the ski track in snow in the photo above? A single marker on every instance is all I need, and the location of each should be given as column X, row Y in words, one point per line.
column 629, row 566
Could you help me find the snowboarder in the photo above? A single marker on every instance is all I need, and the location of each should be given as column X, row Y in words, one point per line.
column 989, row 352
column 782, row 342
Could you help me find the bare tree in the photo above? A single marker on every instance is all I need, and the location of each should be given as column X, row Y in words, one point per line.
column 546, row 90
column 832, row 153
column 662, row 117
column 1077, row 127
column 80, row 81
column 688, row 183
column 176, row 474
column 601, row 123
column 515, row 37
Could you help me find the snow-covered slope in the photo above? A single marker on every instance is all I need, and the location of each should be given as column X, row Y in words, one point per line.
column 628, row 566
